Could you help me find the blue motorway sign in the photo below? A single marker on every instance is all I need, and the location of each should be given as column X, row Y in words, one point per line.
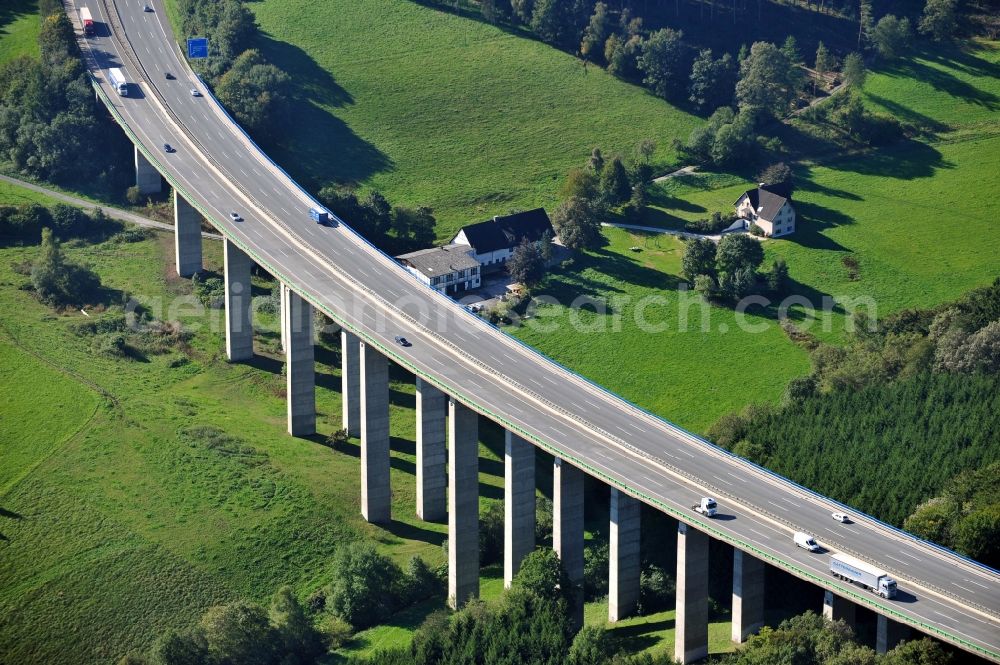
column 198, row 47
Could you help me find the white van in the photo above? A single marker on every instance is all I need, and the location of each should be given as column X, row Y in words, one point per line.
column 806, row 542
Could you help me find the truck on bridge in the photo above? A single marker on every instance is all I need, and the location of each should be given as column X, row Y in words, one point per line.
column 118, row 82
column 88, row 22
column 853, row 570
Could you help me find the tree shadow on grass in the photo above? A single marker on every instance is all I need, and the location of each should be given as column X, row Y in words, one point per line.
column 906, row 160
column 640, row 636
column 944, row 81
column 316, row 145
column 928, row 126
column 11, row 10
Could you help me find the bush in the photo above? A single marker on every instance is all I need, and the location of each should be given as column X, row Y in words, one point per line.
column 595, row 571
column 366, row 586
column 109, row 345
column 712, row 225
column 656, row 590
column 58, row 282
column 491, row 527
column 134, row 196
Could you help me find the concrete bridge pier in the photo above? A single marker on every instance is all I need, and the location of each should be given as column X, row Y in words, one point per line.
column 567, row 528
column 463, row 504
column 836, row 608
column 187, row 237
column 350, row 382
column 147, row 178
column 432, row 454
column 748, row 595
column 300, row 364
column 889, row 633
column 691, row 637
column 239, row 323
column 376, row 492
column 519, row 504
column 623, row 556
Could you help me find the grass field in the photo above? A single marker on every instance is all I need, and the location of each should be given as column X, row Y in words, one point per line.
column 683, row 371
column 19, row 27
column 435, row 109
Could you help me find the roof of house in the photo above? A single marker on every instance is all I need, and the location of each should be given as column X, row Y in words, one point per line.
column 767, row 199
column 507, row 232
column 438, row 261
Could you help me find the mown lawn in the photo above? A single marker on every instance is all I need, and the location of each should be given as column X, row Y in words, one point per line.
column 20, row 23
column 690, row 372
column 439, row 110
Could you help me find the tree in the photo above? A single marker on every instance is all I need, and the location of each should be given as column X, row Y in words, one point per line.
column 296, row 632
column 662, row 62
column 705, row 286
column 776, row 174
column 596, row 162
column 791, row 50
column 179, row 648
column 59, row 282
column 523, row 10
column 866, row 23
column 365, row 585
column 698, row 259
column 777, row 277
column 581, row 183
column 739, row 251
column 938, row 19
column 824, row 60
column 615, row 187
column 240, row 633
column 932, row 520
column 545, row 247
column 712, row 81
column 526, row 264
column 414, row 224
column 542, row 574
column 254, row 91
column 622, row 56
column 578, row 222
column 596, row 34
column 767, row 81
column 854, row 71
column 591, row 646
column 495, row 11
column 891, row 36
column 557, row 21
column 978, row 535
column 644, row 151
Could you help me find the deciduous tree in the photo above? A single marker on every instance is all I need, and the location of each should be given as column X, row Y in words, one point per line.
column 662, row 62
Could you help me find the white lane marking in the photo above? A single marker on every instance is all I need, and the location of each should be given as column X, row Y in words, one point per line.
column 739, row 478
column 789, row 501
column 965, row 588
column 681, row 450
column 285, row 210
column 762, row 535
column 722, row 480
column 910, row 555
column 779, row 506
column 889, row 556
column 977, row 583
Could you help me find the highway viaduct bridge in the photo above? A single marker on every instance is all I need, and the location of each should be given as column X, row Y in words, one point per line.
column 466, row 369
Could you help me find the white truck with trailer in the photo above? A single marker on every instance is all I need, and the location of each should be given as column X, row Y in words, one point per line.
column 853, row 570
column 117, row 80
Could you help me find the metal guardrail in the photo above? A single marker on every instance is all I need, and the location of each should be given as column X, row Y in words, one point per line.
column 683, row 516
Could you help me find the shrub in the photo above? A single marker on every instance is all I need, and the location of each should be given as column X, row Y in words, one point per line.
column 656, row 589
column 57, row 281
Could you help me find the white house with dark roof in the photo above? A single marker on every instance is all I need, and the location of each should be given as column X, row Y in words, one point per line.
column 769, row 207
column 449, row 269
column 492, row 242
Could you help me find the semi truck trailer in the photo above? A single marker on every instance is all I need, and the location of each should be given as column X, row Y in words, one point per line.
column 88, row 21
column 853, row 570
column 118, row 82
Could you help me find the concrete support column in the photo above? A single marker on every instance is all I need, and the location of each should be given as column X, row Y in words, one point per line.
column 567, row 528
column 300, row 364
column 519, row 504
column 836, row 608
column 239, row 324
column 432, row 455
column 350, row 382
column 748, row 595
column 889, row 633
column 623, row 556
column 376, row 493
column 187, row 237
column 147, row 178
column 463, row 504
column 691, row 639
column 281, row 300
